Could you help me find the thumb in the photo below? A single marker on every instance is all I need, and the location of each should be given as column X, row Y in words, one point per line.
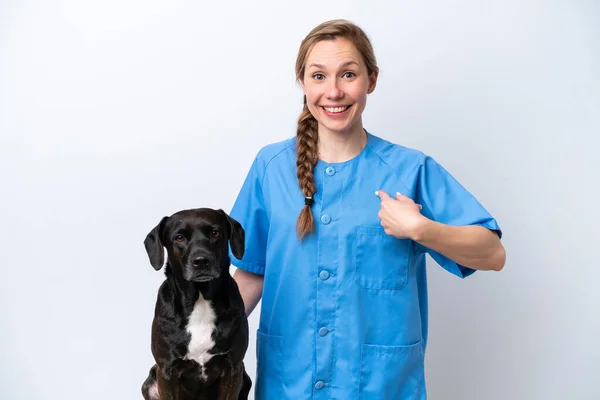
column 382, row 195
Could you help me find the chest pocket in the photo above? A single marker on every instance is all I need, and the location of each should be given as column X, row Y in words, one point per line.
column 381, row 261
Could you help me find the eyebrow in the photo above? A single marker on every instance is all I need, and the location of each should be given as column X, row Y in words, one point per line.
column 320, row 66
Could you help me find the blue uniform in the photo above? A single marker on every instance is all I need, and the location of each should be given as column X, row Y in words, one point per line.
column 344, row 312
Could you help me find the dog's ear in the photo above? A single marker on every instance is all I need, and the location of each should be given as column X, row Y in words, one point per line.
column 236, row 236
column 154, row 245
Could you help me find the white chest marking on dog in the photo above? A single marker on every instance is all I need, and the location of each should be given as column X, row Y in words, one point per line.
column 201, row 325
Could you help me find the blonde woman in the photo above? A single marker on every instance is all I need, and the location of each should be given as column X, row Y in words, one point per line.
column 338, row 222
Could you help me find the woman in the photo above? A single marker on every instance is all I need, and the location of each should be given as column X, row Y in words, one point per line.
column 339, row 263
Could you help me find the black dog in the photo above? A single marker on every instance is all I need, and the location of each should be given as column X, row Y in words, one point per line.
column 200, row 329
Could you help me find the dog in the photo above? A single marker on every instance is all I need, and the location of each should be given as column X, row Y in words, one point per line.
column 200, row 328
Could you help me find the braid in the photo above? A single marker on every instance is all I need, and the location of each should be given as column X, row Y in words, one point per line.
column 307, row 134
column 307, row 156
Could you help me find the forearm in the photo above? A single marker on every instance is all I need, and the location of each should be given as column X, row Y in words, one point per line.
column 251, row 287
column 475, row 247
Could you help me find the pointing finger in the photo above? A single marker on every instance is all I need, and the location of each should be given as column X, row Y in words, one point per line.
column 382, row 195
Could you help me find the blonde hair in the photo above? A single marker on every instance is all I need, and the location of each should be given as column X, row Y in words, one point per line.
column 307, row 135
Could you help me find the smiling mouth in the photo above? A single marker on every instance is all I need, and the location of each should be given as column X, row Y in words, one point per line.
column 336, row 110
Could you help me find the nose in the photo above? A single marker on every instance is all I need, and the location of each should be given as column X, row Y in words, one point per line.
column 333, row 91
column 201, row 261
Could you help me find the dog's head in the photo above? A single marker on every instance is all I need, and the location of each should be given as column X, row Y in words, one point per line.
column 197, row 243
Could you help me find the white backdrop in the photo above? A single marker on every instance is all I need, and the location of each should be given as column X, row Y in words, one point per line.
column 114, row 113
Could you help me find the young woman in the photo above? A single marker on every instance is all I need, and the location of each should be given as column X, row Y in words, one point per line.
column 338, row 222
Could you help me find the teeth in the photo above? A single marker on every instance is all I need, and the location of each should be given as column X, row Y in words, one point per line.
column 335, row 109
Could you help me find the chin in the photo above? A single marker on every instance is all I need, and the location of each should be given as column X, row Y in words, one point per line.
column 340, row 129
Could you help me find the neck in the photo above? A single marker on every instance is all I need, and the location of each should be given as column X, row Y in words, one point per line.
column 337, row 147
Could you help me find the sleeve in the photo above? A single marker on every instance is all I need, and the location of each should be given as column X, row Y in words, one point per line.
column 249, row 210
column 446, row 201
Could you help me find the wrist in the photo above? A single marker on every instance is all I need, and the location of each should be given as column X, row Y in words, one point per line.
column 421, row 229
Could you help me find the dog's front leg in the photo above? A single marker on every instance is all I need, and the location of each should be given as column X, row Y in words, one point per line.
column 230, row 384
column 227, row 389
column 246, row 384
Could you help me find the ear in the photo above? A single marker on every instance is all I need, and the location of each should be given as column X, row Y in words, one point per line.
column 236, row 236
column 154, row 245
column 372, row 81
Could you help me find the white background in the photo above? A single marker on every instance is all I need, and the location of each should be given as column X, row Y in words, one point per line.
column 115, row 113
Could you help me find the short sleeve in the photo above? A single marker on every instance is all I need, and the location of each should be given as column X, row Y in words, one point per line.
column 446, row 201
column 249, row 210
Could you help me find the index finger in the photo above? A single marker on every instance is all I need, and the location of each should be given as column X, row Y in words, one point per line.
column 382, row 195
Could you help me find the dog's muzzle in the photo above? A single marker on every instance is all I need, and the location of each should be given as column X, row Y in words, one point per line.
column 201, row 268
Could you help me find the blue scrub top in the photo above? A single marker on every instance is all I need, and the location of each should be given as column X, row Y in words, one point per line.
column 344, row 312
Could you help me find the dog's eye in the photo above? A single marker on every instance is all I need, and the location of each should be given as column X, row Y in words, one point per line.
column 215, row 234
column 179, row 238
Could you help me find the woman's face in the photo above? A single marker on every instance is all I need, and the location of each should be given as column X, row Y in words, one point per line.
column 336, row 83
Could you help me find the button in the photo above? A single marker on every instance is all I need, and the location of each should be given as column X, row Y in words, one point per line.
column 324, row 275
column 325, row 219
column 330, row 171
column 323, row 331
column 319, row 385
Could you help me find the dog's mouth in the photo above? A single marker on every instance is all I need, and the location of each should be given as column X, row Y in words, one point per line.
column 191, row 274
column 204, row 278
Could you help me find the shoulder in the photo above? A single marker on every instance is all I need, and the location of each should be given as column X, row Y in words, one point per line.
column 396, row 156
column 274, row 152
column 273, row 157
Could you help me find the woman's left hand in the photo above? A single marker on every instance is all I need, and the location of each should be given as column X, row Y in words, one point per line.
column 400, row 217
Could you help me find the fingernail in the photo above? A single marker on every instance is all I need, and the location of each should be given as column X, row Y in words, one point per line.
column 377, row 193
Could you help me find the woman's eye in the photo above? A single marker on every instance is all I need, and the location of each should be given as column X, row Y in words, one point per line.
column 179, row 238
column 215, row 234
column 318, row 77
column 349, row 75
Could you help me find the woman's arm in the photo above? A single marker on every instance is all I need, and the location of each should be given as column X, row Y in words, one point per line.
column 251, row 287
column 472, row 246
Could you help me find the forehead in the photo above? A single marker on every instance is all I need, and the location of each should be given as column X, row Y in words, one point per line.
column 333, row 52
column 194, row 218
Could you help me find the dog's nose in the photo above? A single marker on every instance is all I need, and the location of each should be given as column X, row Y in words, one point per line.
column 201, row 261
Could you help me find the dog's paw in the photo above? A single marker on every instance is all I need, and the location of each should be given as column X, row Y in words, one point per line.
column 153, row 392
column 150, row 386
